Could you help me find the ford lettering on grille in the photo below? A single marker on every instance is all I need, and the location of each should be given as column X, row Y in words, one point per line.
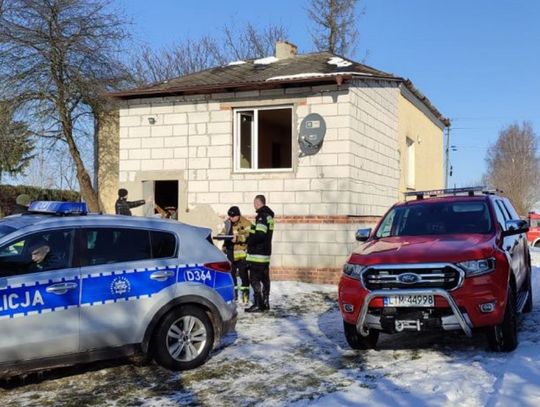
column 408, row 278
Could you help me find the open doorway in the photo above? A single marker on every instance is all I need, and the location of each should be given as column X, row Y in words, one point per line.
column 166, row 198
column 165, row 195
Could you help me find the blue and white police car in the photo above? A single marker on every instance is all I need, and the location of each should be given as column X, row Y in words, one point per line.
column 77, row 288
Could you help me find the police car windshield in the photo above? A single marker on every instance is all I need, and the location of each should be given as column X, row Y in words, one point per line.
column 5, row 230
column 436, row 218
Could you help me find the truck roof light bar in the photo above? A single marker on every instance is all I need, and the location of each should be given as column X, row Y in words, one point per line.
column 470, row 191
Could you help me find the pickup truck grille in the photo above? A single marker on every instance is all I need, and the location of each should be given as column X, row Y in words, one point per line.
column 446, row 277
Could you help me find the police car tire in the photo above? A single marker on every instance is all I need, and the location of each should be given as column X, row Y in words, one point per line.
column 161, row 352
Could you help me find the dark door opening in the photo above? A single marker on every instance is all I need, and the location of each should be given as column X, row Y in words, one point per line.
column 166, row 194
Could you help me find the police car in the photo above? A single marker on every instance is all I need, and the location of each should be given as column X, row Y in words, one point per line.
column 77, row 288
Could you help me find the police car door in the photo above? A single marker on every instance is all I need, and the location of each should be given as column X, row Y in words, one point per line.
column 39, row 296
column 122, row 280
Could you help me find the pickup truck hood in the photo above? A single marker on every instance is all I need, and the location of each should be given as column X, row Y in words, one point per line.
column 424, row 249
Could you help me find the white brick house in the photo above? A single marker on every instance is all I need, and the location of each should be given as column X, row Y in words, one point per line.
column 217, row 138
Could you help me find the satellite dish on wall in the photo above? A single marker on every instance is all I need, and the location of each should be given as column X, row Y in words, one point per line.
column 311, row 134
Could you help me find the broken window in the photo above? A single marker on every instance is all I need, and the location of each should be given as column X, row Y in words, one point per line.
column 264, row 139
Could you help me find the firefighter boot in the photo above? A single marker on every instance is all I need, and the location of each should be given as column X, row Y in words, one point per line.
column 266, row 302
column 245, row 295
column 257, row 304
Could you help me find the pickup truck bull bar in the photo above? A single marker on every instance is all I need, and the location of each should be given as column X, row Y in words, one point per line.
column 361, row 322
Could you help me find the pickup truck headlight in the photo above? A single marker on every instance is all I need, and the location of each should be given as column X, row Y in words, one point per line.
column 353, row 270
column 475, row 268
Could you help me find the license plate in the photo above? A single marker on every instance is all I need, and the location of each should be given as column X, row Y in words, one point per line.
column 417, row 300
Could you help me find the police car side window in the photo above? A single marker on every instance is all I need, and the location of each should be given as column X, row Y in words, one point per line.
column 44, row 251
column 115, row 245
column 163, row 244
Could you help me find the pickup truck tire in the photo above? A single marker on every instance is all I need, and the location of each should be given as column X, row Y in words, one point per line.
column 183, row 339
column 356, row 340
column 503, row 337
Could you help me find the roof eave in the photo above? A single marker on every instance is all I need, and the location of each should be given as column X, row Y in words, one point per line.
column 242, row 86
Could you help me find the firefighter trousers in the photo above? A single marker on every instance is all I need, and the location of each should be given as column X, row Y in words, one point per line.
column 259, row 274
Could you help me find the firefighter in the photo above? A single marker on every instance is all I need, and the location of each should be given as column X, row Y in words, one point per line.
column 235, row 248
column 258, row 255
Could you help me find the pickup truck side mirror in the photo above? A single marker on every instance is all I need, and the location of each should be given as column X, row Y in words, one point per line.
column 515, row 227
column 362, row 234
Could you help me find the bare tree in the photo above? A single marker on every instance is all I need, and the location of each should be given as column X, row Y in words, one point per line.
column 16, row 145
column 193, row 55
column 58, row 57
column 514, row 167
column 334, row 23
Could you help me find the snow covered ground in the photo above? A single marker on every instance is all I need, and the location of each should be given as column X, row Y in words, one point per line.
column 296, row 355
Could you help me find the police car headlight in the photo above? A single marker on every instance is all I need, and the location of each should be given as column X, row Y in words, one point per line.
column 353, row 270
column 475, row 268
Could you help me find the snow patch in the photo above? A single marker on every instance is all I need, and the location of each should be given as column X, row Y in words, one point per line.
column 236, row 63
column 314, row 75
column 339, row 62
column 266, row 61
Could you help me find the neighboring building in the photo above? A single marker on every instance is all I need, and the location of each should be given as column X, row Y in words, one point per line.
column 216, row 138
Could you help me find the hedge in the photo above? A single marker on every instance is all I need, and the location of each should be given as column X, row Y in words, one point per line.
column 8, row 194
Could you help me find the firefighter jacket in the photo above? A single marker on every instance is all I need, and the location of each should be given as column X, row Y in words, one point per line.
column 260, row 238
column 238, row 250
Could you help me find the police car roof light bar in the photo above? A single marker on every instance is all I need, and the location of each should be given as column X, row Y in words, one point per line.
column 58, row 208
column 451, row 191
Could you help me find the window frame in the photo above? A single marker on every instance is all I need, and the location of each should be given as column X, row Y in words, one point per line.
column 73, row 261
column 255, row 140
column 82, row 244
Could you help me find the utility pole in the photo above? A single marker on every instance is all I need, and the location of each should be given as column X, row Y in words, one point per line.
column 447, row 157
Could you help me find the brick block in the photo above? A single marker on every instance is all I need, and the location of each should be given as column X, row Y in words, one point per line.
column 141, row 132
column 130, row 143
column 156, row 142
column 199, row 117
column 162, row 153
column 220, row 186
column 175, row 118
column 220, row 127
column 161, row 131
column 175, row 164
column 151, row 165
column 130, row 165
column 130, row 121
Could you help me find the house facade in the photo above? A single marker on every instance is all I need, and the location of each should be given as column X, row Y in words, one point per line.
column 332, row 144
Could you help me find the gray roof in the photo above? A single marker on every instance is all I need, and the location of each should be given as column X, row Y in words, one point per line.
column 269, row 73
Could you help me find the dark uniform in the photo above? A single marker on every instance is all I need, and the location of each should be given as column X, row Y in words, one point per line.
column 123, row 206
column 258, row 258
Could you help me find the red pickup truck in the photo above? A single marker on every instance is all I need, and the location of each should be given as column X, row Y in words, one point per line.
column 533, row 235
column 447, row 260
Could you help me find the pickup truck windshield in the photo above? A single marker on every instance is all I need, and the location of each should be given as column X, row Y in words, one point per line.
column 436, row 218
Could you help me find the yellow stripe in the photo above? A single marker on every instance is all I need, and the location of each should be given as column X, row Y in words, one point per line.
column 258, row 258
column 261, row 228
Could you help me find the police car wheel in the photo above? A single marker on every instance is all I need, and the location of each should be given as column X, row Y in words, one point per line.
column 184, row 339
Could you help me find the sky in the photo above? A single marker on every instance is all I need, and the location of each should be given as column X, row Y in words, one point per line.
column 477, row 61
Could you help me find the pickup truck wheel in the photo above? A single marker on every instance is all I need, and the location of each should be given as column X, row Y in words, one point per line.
column 184, row 339
column 356, row 340
column 503, row 337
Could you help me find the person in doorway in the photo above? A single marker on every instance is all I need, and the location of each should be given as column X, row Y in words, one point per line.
column 235, row 248
column 258, row 255
column 123, row 206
